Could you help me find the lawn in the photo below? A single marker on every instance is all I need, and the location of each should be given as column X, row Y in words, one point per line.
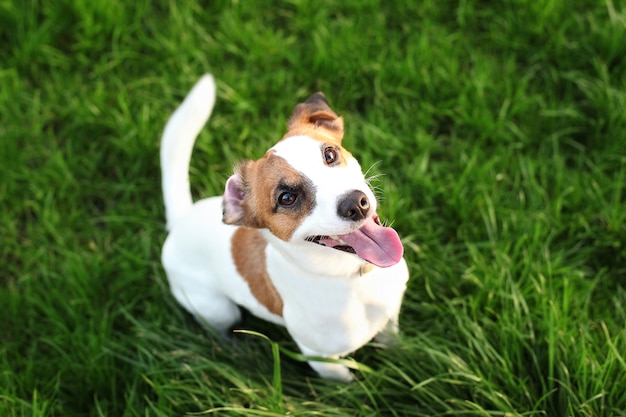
column 497, row 130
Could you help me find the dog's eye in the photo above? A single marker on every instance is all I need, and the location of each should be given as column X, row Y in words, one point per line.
column 330, row 155
column 287, row 198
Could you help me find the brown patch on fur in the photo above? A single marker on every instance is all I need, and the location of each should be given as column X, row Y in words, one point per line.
column 262, row 183
column 248, row 250
column 314, row 118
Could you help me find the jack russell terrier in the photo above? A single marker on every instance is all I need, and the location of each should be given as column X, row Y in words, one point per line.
column 295, row 239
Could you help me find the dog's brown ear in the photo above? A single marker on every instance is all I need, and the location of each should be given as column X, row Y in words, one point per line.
column 315, row 114
column 232, row 204
column 235, row 195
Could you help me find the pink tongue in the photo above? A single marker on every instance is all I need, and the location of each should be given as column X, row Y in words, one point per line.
column 376, row 244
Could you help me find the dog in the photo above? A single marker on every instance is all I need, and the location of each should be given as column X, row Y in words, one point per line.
column 295, row 239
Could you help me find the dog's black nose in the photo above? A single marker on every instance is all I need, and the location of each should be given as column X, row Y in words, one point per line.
column 353, row 205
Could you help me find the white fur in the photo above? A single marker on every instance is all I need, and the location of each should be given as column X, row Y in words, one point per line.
column 177, row 144
column 330, row 307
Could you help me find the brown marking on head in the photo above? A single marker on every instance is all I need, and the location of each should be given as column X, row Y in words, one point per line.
column 314, row 118
column 269, row 193
column 248, row 251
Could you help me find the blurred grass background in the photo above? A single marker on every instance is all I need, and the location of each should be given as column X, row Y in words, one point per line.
column 499, row 131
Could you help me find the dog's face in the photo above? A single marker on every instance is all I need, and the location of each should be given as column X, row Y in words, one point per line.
column 311, row 194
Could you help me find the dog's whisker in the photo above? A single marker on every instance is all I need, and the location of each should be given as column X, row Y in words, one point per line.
column 373, row 178
column 371, row 167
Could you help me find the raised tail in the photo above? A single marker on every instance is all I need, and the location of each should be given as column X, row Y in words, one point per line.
column 177, row 144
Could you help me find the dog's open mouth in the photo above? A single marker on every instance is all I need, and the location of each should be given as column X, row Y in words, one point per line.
column 372, row 242
column 334, row 242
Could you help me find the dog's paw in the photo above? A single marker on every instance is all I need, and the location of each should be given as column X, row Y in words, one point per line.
column 387, row 339
column 332, row 371
column 389, row 335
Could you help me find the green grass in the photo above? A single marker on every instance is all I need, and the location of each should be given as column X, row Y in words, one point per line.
column 499, row 129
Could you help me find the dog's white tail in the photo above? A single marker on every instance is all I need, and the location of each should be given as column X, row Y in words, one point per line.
column 177, row 144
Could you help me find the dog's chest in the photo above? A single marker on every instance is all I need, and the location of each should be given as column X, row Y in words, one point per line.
column 323, row 303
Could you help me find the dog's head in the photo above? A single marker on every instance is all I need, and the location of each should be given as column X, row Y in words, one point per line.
column 310, row 193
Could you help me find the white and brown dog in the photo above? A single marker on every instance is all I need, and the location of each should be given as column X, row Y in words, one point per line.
column 295, row 239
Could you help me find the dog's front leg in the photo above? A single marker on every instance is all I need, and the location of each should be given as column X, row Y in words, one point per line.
column 388, row 336
column 327, row 370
